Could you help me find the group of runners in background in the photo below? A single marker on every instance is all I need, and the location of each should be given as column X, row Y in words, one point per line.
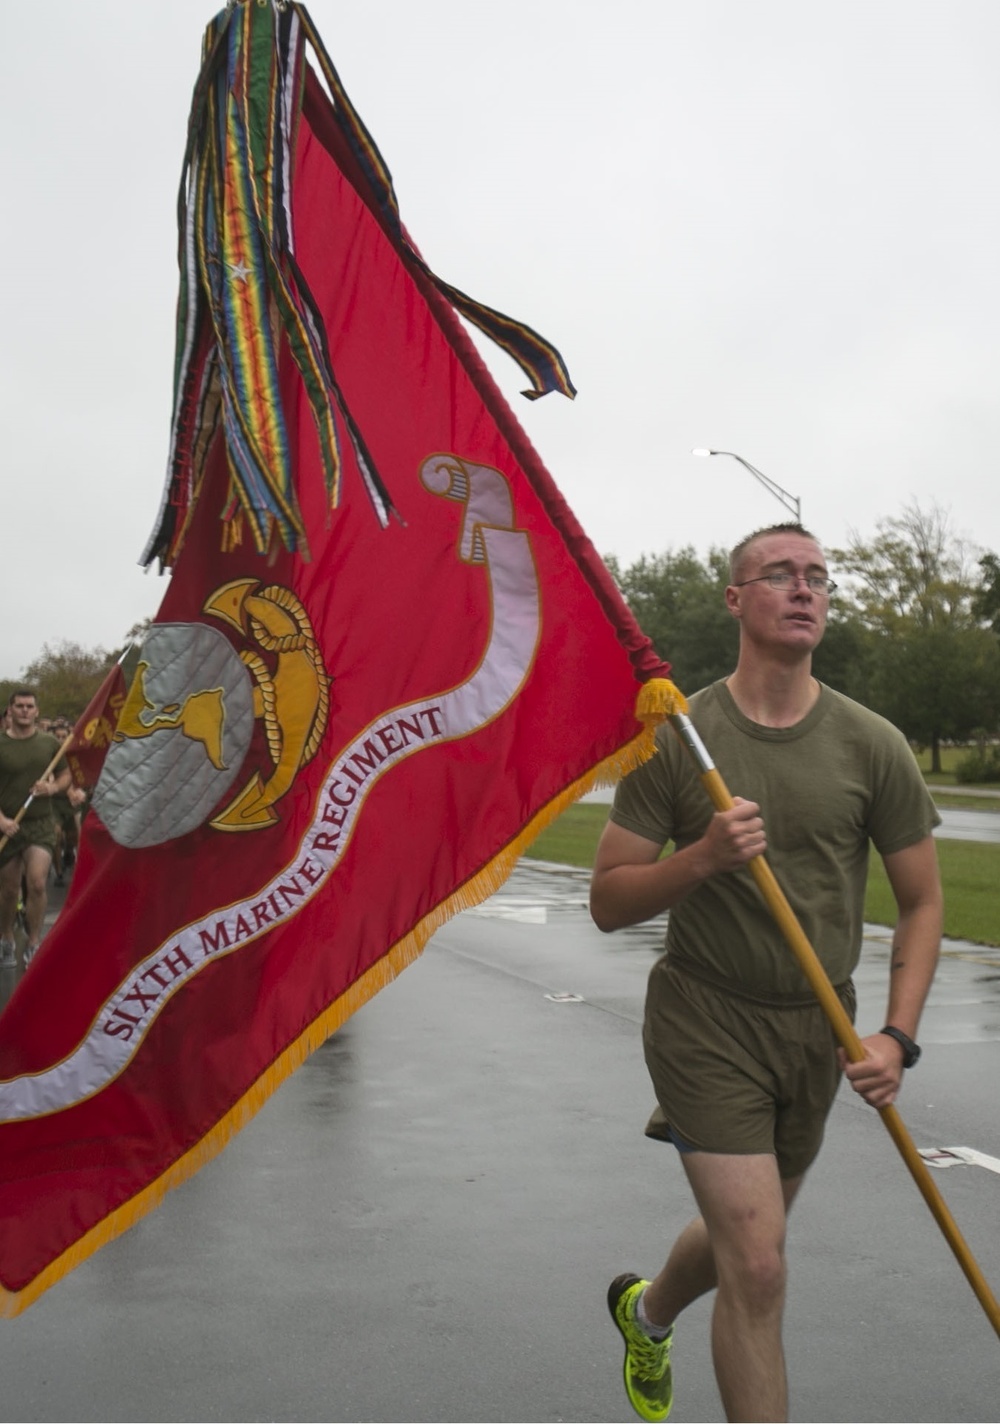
column 40, row 813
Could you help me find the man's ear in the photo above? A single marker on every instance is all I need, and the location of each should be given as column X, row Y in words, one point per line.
column 733, row 601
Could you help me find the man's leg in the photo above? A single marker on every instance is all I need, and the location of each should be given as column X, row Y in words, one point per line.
column 57, row 853
column 690, row 1269
column 10, row 893
column 37, row 860
column 71, row 833
column 737, row 1245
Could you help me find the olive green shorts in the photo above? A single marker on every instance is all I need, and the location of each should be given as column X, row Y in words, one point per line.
column 41, row 833
column 739, row 1075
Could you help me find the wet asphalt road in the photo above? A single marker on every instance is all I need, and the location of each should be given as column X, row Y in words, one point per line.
column 421, row 1224
column 969, row 826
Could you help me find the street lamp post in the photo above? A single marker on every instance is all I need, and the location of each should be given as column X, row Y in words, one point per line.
column 790, row 501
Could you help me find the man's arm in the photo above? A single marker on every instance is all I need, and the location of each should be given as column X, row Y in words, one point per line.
column 916, row 885
column 631, row 883
column 51, row 785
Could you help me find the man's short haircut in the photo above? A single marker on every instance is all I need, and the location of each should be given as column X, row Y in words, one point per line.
column 23, row 692
column 737, row 555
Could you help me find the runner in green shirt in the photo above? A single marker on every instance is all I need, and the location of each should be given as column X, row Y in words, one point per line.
column 743, row 1061
column 25, row 755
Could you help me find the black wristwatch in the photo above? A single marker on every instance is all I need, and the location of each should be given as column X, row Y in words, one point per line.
column 911, row 1050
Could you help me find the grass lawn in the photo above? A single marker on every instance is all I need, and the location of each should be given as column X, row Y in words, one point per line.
column 572, row 839
column 950, row 757
column 947, row 791
column 970, row 872
column 953, row 800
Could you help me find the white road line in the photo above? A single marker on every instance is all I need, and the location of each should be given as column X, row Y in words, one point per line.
column 959, row 1157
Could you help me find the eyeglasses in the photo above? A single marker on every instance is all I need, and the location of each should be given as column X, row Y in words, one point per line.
column 782, row 580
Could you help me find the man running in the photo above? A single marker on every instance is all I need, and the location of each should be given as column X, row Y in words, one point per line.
column 743, row 1060
column 25, row 755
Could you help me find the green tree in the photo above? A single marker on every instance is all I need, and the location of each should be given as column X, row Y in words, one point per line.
column 925, row 661
column 66, row 676
column 134, row 637
column 940, row 685
column 914, row 574
column 844, row 658
column 986, row 604
column 679, row 601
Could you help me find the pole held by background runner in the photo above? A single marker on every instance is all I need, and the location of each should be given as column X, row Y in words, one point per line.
column 845, row 1031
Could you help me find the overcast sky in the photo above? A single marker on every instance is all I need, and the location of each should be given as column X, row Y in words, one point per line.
column 760, row 226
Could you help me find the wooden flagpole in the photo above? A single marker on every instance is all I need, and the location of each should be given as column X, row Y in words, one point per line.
column 843, row 1028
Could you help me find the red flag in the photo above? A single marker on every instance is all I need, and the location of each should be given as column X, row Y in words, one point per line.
column 95, row 728
column 318, row 759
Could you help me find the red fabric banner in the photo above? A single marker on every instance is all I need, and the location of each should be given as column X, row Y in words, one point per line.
column 95, row 729
column 316, row 761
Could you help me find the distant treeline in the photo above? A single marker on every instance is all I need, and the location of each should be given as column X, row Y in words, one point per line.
column 913, row 629
column 913, row 632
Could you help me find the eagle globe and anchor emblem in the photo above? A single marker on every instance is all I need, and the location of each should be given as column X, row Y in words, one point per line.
column 188, row 718
column 176, row 753
column 186, row 727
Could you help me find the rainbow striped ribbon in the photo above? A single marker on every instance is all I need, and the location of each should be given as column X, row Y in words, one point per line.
column 242, row 292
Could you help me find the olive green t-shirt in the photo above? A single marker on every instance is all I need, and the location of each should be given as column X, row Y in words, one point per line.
column 23, row 761
column 837, row 780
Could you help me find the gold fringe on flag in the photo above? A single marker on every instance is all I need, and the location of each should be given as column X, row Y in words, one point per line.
column 659, row 699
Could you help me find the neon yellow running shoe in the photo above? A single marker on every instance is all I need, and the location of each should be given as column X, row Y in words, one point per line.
column 649, row 1381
